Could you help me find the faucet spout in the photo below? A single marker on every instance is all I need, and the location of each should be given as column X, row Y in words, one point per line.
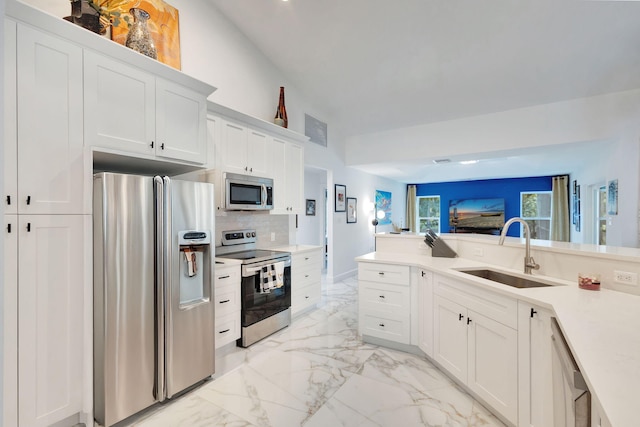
column 529, row 262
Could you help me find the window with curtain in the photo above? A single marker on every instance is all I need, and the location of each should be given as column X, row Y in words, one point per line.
column 535, row 209
column 428, row 213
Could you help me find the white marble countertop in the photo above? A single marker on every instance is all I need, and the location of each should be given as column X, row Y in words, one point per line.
column 224, row 262
column 602, row 328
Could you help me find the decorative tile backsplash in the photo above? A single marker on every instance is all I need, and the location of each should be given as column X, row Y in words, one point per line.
column 263, row 223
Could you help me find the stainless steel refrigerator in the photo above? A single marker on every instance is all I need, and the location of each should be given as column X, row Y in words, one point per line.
column 153, row 288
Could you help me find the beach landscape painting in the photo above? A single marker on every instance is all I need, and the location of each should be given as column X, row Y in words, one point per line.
column 476, row 213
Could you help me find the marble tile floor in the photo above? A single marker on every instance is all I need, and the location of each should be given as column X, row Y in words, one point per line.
column 318, row 373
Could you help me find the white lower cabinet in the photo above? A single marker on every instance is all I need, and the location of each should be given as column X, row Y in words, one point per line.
column 10, row 321
column 535, row 392
column 478, row 350
column 384, row 298
column 306, row 268
column 228, row 304
column 425, row 311
column 54, row 269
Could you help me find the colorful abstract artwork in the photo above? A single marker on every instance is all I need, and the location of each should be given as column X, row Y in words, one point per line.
column 383, row 203
column 163, row 25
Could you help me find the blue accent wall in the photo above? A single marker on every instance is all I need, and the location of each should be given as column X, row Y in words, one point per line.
column 507, row 189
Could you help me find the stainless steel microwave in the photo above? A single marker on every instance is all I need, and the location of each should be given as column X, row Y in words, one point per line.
column 247, row 193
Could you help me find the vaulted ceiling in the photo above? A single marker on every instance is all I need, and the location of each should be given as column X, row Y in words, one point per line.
column 376, row 65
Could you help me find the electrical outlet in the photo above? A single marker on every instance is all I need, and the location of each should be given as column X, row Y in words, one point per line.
column 273, row 236
column 625, row 277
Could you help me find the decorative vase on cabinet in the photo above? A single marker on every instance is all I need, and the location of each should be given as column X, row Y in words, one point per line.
column 139, row 38
column 281, row 113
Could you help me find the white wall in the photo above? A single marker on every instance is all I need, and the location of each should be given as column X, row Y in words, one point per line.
column 311, row 227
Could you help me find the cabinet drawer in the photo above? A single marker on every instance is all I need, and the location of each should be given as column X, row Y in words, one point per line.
column 302, row 298
column 227, row 299
column 225, row 276
column 227, row 329
column 306, row 259
column 384, row 273
column 386, row 328
column 493, row 305
column 305, row 277
column 383, row 298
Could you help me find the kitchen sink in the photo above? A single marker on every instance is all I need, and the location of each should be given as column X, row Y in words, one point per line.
column 504, row 278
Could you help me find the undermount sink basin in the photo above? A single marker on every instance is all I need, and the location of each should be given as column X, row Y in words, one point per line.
column 504, row 278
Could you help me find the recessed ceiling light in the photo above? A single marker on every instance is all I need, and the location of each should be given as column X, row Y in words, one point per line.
column 468, row 162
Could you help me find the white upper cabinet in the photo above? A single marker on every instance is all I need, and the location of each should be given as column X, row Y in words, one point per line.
column 287, row 165
column 181, row 122
column 51, row 163
column 120, row 103
column 130, row 110
column 10, row 197
column 244, row 150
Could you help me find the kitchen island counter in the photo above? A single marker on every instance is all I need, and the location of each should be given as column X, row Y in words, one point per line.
column 601, row 327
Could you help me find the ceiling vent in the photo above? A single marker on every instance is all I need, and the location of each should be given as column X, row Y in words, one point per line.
column 441, row 161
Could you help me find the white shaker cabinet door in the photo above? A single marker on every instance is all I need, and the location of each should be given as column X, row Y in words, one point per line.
column 10, row 318
column 425, row 311
column 120, row 106
column 51, row 164
column 493, row 364
column 52, row 272
column 295, row 177
column 258, row 148
column 450, row 337
column 10, row 196
column 181, row 123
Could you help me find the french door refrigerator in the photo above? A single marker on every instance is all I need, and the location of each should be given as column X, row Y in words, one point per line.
column 153, row 287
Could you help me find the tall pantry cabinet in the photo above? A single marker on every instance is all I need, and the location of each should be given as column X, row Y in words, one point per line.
column 47, row 229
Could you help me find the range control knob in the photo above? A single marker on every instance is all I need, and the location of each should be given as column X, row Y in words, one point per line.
column 248, row 234
column 253, row 234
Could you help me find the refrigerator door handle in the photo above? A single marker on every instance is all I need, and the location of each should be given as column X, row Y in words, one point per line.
column 160, row 391
column 167, row 291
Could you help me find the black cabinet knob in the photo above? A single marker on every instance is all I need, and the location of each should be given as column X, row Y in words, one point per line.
column 151, row 144
column 468, row 320
column 8, row 200
column 460, row 316
column 533, row 312
column 28, row 200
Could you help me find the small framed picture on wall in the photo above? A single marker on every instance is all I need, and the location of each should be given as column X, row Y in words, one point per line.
column 352, row 210
column 341, row 198
column 311, row 207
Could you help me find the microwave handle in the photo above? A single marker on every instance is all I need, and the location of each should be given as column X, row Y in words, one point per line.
column 264, row 194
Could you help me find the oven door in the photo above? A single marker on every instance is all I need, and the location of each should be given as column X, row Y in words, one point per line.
column 257, row 304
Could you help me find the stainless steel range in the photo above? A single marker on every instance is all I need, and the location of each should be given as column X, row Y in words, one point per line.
column 266, row 285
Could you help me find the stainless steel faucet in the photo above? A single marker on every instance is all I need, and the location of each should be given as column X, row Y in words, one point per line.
column 529, row 262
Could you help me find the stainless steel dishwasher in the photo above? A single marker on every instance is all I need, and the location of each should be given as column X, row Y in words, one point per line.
column 571, row 396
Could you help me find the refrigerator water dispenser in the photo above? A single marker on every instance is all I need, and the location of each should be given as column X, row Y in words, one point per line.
column 194, row 267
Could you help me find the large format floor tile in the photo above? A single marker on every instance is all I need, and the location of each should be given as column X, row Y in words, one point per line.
column 318, row 373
